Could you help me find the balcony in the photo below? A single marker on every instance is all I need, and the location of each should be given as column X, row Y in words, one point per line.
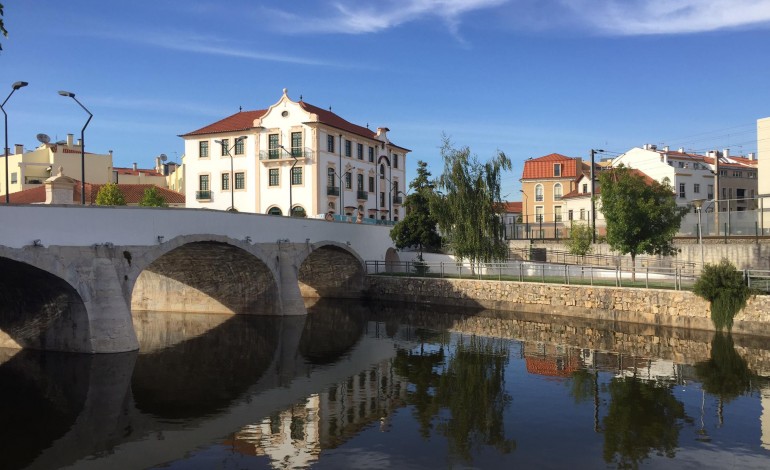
column 332, row 191
column 34, row 179
column 398, row 200
column 203, row 195
column 280, row 154
column 362, row 195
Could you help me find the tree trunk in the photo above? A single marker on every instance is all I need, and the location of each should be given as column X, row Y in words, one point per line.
column 633, row 267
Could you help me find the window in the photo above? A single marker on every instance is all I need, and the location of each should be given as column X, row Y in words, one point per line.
column 225, row 181
column 722, row 172
column 395, row 160
column 272, row 146
column 274, row 211
column 557, row 170
column 538, row 213
column 585, row 187
column 710, row 194
column 296, row 144
column 239, row 145
column 737, row 174
column 395, row 188
column 681, row 164
column 740, row 193
column 382, row 199
column 696, row 188
column 569, row 215
column 240, row 180
column 330, row 177
column 298, row 211
column 371, row 154
column 296, row 175
column 360, row 182
column 330, row 143
column 539, row 193
column 203, row 149
column 371, row 184
column 557, row 213
column 360, row 151
column 382, row 171
column 682, row 190
column 557, row 193
column 347, row 147
column 14, row 178
column 582, row 214
column 348, row 182
column 203, row 182
column 273, row 180
column 224, row 147
column 724, row 193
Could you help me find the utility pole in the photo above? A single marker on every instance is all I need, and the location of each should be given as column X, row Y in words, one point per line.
column 593, row 194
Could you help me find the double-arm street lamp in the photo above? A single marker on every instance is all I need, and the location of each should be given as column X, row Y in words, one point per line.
column 593, row 193
column 526, row 215
column 231, row 183
column 69, row 94
column 14, row 87
column 291, row 180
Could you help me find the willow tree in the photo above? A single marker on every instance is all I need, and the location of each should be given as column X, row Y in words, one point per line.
column 468, row 207
column 641, row 214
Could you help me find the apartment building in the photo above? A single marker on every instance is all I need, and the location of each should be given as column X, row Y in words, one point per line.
column 544, row 182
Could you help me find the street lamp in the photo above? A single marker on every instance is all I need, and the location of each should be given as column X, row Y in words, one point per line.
column 291, row 179
column 232, row 174
column 69, row 94
column 390, row 184
column 14, row 87
column 526, row 215
column 698, row 203
column 593, row 194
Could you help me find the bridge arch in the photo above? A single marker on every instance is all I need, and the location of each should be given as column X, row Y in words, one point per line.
column 331, row 269
column 40, row 306
column 206, row 274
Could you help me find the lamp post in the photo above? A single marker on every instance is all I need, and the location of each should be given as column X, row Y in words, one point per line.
column 390, row 184
column 232, row 173
column 14, row 87
column 698, row 203
column 526, row 215
column 593, row 194
column 82, row 146
column 291, row 179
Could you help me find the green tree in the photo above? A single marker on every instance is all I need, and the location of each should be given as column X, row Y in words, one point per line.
column 579, row 241
column 642, row 216
column 726, row 375
column 723, row 286
column 469, row 215
column 153, row 198
column 110, row 195
column 419, row 228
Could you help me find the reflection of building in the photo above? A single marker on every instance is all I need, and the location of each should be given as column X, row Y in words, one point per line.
column 294, row 438
column 551, row 360
column 294, row 151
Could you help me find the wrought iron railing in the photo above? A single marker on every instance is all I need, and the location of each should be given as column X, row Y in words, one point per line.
column 203, row 195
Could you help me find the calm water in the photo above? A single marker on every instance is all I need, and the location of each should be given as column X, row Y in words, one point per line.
column 391, row 386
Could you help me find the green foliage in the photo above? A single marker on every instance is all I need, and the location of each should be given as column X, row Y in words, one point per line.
column 152, row 198
column 726, row 374
column 642, row 417
column 470, row 213
column 420, row 267
column 641, row 217
column 419, row 227
column 579, row 241
column 110, row 195
column 723, row 286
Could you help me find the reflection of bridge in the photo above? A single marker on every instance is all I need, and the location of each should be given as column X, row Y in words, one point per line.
column 70, row 276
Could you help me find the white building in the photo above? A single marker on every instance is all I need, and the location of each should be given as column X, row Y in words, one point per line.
column 333, row 166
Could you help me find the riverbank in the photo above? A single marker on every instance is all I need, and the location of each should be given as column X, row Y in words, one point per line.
column 679, row 309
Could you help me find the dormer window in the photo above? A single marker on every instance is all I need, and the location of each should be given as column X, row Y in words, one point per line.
column 557, row 170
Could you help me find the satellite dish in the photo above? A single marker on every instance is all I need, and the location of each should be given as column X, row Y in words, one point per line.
column 43, row 138
column 163, row 157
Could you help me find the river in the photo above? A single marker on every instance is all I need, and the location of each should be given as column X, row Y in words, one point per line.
column 364, row 385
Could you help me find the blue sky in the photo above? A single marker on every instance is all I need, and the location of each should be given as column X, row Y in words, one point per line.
column 528, row 77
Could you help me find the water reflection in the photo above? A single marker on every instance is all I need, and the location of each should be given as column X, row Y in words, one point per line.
column 352, row 384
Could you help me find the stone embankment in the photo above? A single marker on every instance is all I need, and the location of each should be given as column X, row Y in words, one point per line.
column 680, row 309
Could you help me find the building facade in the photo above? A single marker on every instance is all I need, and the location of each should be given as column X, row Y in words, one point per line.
column 544, row 182
column 296, row 157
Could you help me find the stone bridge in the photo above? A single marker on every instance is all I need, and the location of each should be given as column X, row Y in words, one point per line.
column 70, row 276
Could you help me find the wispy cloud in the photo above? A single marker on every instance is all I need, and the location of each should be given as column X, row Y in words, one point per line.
column 651, row 17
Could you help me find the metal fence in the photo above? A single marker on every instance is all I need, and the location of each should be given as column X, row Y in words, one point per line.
column 527, row 271
column 564, row 257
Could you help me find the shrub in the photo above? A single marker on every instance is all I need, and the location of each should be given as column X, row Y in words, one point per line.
column 723, row 286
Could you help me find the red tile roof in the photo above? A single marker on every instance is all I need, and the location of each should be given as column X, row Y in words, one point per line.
column 132, row 192
column 540, row 168
column 512, row 207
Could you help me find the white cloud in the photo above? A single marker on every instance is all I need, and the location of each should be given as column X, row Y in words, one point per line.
column 647, row 17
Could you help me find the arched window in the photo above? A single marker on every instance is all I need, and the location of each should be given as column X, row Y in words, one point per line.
column 274, row 211
column 557, row 193
column 382, row 171
column 298, row 211
column 330, row 177
column 539, row 193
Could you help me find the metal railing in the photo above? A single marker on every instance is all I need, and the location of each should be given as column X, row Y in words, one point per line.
column 397, row 200
column 362, row 195
column 332, row 191
column 281, row 154
column 758, row 280
column 565, row 257
column 203, row 195
column 525, row 271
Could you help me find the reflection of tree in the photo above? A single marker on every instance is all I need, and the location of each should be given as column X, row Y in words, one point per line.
column 642, row 416
column 726, row 374
column 471, row 387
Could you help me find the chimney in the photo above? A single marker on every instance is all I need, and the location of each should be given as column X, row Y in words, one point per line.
column 134, row 166
column 18, row 149
column 665, row 149
column 681, row 150
column 726, row 153
column 80, row 143
column 752, row 156
column 70, row 138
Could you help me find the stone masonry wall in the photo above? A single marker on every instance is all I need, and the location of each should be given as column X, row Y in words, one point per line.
column 680, row 309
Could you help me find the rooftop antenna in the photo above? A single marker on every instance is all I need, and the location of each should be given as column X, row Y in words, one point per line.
column 300, row 97
column 240, row 108
column 330, row 108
